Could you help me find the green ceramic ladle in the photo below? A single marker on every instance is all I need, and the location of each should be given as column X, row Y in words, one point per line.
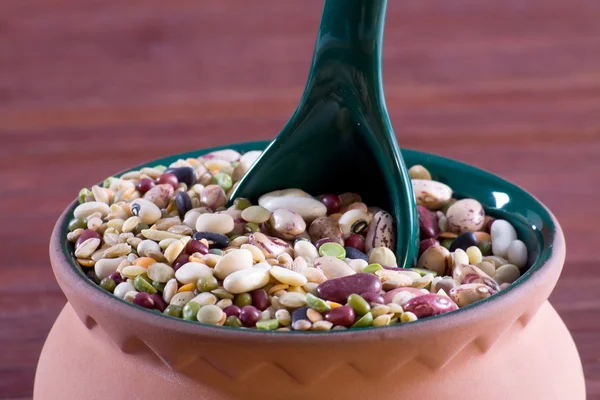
column 339, row 138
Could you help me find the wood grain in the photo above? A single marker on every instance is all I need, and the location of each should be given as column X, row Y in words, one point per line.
column 88, row 88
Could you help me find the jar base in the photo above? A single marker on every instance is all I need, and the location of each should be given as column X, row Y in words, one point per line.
column 539, row 361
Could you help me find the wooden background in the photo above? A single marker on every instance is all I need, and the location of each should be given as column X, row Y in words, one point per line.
column 90, row 87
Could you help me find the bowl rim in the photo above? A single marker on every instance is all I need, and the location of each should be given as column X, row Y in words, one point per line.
column 67, row 272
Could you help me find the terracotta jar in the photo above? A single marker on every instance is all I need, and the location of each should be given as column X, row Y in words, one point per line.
column 511, row 346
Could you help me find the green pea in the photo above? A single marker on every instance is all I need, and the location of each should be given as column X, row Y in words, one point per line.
column 77, row 223
column 333, row 250
column 142, row 285
column 207, row 284
column 372, row 268
column 174, row 311
column 108, row 284
column 423, row 271
column 447, row 206
column 317, row 304
column 251, row 227
column 486, row 247
column 233, row 322
column 160, row 168
column 268, row 324
column 160, row 286
column 358, row 304
column 394, row 320
column 223, row 180
column 366, row 320
column 218, row 252
column 139, row 228
column 190, row 310
column 243, row 299
column 107, row 182
column 233, row 237
column 241, row 203
column 83, row 193
column 447, row 243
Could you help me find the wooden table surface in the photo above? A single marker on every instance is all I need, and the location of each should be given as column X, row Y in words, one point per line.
column 89, row 88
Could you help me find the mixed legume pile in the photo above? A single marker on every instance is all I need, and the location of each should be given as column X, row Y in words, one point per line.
column 163, row 239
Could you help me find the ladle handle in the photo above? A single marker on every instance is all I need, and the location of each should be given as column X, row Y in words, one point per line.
column 348, row 47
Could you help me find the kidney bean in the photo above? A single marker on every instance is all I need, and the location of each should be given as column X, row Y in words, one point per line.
column 85, row 235
column 185, row 175
column 183, row 203
column 372, row 297
column 343, row 316
column 217, row 240
column 332, row 202
column 464, row 241
column 196, row 246
column 143, row 299
column 232, row 310
column 260, row 299
column 428, row 225
column 249, row 315
column 354, row 254
column 338, row 289
column 181, row 259
column 167, row 178
column 427, row 243
column 430, row 304
column 159, row 303
column 144, row 185
column 355, row 241
column 389, row 296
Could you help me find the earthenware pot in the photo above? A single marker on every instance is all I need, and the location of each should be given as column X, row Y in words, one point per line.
column 510, row 346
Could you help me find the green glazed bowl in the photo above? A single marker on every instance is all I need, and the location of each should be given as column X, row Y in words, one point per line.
column 500, row 198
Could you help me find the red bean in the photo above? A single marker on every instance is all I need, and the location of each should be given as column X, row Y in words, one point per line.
column 430, row 304
column 143, row 299
column 260, row 299
column 343, row 316
column 488, row 226
column 159, row 303
column 249, row 316
column 116, row 276
column 356, row 241
column 332, row 202
column 428, row 225
column 232, row 310
column 427, row 243
column 372, row 298
column 339, row 289
column 196, row 246
column 183, row 258
column 85, row 235
column 144, row 185
column 168, row 178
